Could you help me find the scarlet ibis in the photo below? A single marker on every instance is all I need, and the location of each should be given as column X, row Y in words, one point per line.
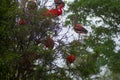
column 54, row 12
column 49, row 42
column 21, row 22
column 80, row 29
column 70, row 58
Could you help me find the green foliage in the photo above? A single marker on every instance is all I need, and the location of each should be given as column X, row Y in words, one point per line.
column 107, row 10
column 100, row 40
column 23, row 56
column 114, row 63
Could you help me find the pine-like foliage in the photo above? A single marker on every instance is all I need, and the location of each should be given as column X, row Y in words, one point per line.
column 26, row 43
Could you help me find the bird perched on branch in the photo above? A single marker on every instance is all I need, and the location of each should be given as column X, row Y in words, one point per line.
column 80, row 29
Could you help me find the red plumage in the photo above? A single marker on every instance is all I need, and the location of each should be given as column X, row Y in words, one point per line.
column 71, row 58
column 49, row 42
column 54, row 12
column 21, row 22
column 80, row 29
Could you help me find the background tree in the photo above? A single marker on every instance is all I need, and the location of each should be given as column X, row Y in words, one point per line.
column 101, row 39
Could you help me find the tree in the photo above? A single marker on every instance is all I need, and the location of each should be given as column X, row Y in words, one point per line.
column 28, row 50
column 7, row 20
column 101, row 39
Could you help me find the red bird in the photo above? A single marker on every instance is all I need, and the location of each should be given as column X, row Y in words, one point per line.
column 49, row 42
column 54, row 12
column 80, row 29
column 21, row 22
column 71, row 58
